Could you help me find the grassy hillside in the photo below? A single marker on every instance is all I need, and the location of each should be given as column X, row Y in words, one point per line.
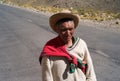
column 92, row 9
column 110, row 5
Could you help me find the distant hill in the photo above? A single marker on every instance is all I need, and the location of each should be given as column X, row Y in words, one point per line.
column 104, row 5
column 87, row 9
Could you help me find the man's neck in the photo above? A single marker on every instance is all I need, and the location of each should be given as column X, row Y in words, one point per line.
column 69, row 43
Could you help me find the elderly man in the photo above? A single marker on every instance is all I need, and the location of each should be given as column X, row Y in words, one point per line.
column 65, row 57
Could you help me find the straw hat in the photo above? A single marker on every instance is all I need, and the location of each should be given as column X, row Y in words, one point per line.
column 64, row 14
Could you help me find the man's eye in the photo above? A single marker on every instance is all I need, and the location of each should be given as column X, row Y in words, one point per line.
column 70, row 29
column 63, row 29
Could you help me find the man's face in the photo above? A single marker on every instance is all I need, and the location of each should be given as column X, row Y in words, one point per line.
column 66, row 30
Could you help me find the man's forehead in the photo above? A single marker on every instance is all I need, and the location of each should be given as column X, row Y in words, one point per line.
column 69, row 24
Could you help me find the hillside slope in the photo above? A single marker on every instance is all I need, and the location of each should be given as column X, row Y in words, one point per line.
column 104, row 5
column 110, row 5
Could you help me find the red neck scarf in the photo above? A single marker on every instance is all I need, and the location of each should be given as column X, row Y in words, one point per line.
column 56, row 47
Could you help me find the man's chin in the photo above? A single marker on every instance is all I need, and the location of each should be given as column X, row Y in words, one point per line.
column 67, row 40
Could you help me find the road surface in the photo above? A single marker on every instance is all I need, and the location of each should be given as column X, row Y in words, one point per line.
column 23, row 34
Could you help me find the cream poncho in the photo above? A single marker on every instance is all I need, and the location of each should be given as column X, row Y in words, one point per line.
column 56, row 68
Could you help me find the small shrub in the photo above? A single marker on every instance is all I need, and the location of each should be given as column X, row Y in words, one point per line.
column 116, row 22
column 118, row 16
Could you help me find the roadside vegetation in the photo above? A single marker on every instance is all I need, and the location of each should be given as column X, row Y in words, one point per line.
column 83, row 13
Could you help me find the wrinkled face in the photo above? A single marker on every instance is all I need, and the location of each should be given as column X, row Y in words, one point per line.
column 66, row 30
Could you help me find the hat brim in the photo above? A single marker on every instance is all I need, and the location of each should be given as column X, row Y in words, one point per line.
column 56, row 17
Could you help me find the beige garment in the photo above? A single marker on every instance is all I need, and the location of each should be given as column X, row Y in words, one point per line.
column 57, row 68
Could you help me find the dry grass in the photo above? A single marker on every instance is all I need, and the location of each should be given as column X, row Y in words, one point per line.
column 84, row 14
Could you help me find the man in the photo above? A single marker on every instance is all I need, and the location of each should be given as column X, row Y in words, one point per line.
column 65, row 57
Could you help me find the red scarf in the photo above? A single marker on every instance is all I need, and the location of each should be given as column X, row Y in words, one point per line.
column 56, row 47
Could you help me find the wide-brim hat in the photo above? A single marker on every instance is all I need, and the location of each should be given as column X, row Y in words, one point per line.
column 64, row 14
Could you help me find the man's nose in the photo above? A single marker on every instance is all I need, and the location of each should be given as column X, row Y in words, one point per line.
column 67, row 32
